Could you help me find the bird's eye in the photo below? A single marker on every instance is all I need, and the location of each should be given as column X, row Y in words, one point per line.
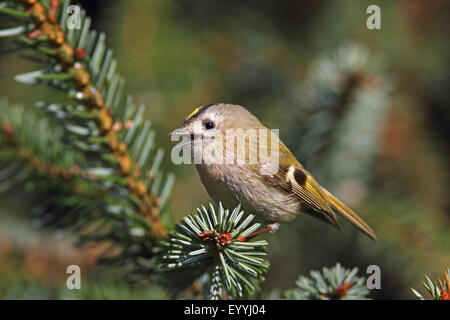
column 209, row 125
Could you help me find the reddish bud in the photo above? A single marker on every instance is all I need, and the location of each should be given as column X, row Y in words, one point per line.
column 80, row 53
column 343, row 288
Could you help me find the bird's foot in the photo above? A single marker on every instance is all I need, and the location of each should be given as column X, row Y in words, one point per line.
column 271, row 227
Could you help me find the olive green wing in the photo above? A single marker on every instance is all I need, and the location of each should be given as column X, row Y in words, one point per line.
column 294, row 179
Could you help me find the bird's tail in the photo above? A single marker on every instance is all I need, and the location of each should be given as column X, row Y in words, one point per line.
column 350, row 215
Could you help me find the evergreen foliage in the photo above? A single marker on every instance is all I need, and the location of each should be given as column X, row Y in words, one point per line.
column 336, row 283
column 98, row 139
column 438, row 290
column 215, row 241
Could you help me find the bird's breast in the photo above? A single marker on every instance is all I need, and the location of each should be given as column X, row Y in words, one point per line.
column 237, row 184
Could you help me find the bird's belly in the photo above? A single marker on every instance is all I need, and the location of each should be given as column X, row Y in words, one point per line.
column 239, row 186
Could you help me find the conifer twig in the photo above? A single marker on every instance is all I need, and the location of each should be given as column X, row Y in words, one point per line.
column 48, row 37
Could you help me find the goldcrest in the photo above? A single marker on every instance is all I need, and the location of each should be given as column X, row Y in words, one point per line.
column 275, row 188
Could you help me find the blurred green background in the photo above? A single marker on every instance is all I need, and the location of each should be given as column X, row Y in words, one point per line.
column 177, row 55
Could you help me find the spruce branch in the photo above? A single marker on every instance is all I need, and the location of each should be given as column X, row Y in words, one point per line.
column 438, row 290
column 68, row 197
column 102, row 121
column 25, row 137
column 34, row 158
column 213, row 242
column 46, row 168
column 336, row 283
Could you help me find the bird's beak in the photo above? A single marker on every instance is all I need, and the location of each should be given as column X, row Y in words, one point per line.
column 182, row 133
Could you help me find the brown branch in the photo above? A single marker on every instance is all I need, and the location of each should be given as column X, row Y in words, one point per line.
column 47, row 30
column 33, row 161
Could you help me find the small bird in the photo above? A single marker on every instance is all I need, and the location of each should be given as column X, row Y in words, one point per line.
column 274, row 196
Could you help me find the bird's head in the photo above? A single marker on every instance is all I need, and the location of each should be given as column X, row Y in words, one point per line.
column 213, row 120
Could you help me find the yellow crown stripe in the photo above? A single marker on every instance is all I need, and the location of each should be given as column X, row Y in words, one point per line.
column 194, row 112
